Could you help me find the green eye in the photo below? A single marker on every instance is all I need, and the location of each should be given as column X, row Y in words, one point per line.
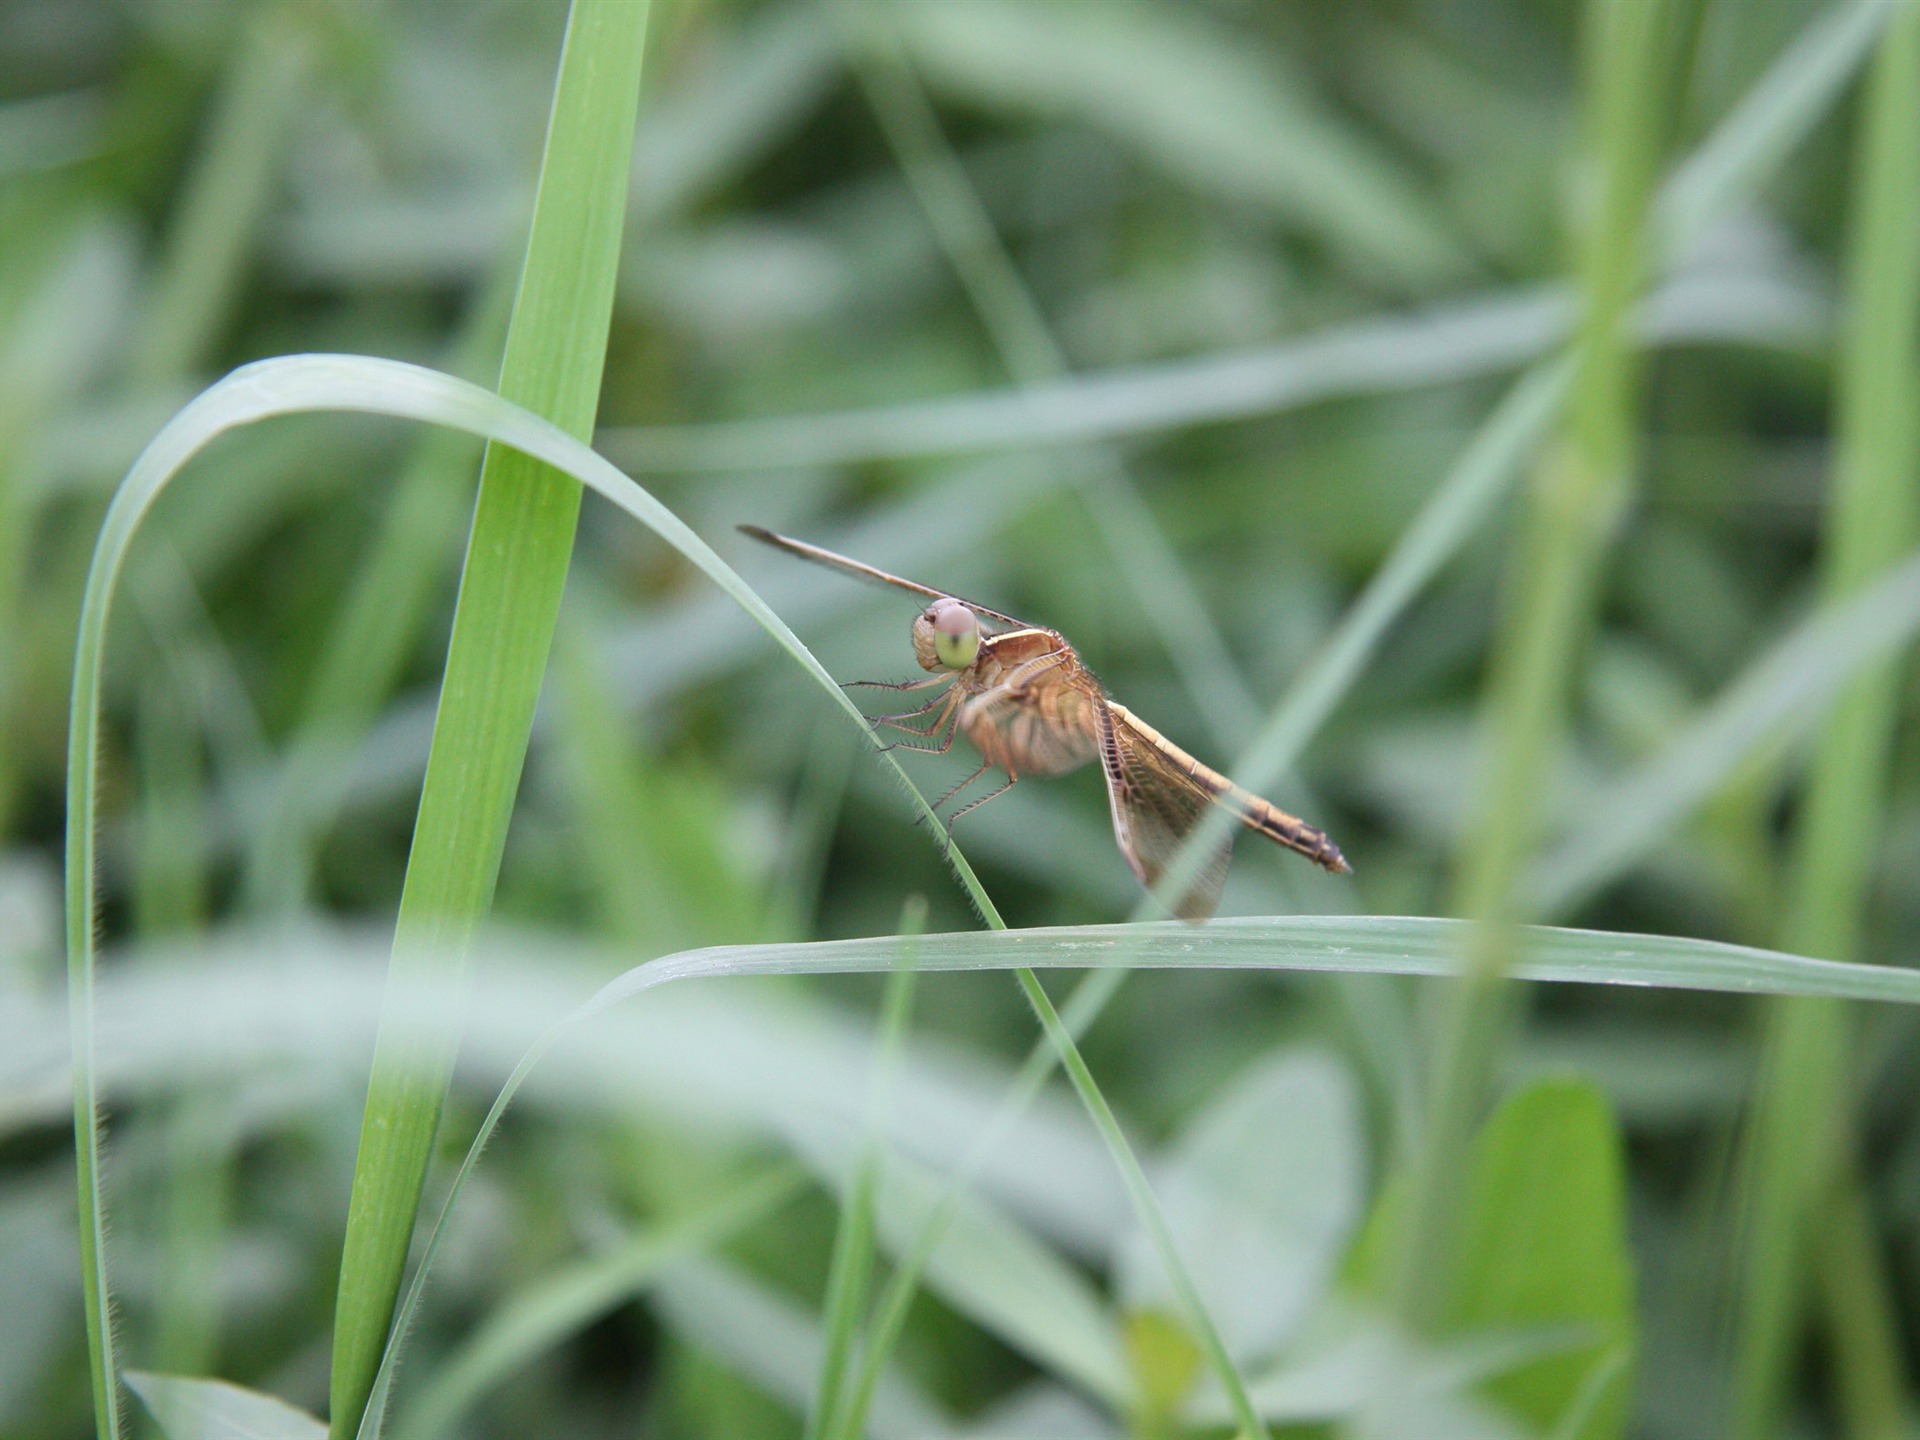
column 956, row 635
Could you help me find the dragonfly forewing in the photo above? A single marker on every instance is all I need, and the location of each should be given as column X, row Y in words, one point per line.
column 1155, row 806
column 1172, row 766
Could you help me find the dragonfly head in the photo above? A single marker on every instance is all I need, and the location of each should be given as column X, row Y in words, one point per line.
column 946, row 636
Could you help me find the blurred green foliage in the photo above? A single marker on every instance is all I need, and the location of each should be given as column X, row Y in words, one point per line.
column 1167, row 325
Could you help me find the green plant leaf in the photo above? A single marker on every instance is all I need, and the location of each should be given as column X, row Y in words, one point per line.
column 192, row 1409
column 1541, row 1242
column 511, row 583
column 1545, row 1242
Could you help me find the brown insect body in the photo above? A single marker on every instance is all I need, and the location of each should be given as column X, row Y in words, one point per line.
column 1025, row 701
column 1029, row 704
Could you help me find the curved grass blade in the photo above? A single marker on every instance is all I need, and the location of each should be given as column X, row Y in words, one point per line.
column 287, row 386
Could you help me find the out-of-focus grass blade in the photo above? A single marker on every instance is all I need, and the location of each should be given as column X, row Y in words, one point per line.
column 1748, row 148
column 1789, row 683
column 988, row 1267
column 1212, row 111
column 570, row 1298
column 1457, row 341
column 1264, row 1187
column 188, row 1408
column 850, row 1268
column 773, row 1342
column 226, row 195
column 750, row 91
column 1802, row 1196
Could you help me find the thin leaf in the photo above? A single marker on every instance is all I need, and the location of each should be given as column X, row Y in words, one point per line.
column 509, row 599
column 187, row 1408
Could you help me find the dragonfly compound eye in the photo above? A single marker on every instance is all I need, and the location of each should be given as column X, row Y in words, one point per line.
column 956, row 633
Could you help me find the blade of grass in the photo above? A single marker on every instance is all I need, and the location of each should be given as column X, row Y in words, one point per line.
column 1774, row 698
column 757, row 1332
column 1861, row 1314
column 1206, row 106
column 225, row 196
column 1193, row 1309
column 283, row 387
column 509, row 599
column 850, row 1270
column 1774, row 116
column 889, row 1316
column 572, row 1297
column 218, row 1002
column 1800, row 1142
column 1433, row 347
column 1581, row 487
column 217, row 217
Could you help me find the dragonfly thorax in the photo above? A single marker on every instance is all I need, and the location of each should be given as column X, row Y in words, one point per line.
column 946, row 635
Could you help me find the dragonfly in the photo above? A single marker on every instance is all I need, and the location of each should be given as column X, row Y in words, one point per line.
column 1029, row 705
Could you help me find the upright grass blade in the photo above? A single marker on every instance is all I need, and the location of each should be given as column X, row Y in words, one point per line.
column 1582, row 485
column 503, row 626
column 850, row 1271
column 890, row 1311
column 1800, row 1139
column 226, row 194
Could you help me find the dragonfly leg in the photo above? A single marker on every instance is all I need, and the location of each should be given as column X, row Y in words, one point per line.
column 954, row 819
column 988, row 765
column 896, row 684
column 942, row 748
column 894, row 720
column 944, row 720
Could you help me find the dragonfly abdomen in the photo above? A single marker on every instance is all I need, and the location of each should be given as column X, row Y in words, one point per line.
column 1288, row 830
column 1260, row 816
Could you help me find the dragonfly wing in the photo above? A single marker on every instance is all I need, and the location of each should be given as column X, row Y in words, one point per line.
column 859, row 570
column 1039, row 730
column 1155, row 807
